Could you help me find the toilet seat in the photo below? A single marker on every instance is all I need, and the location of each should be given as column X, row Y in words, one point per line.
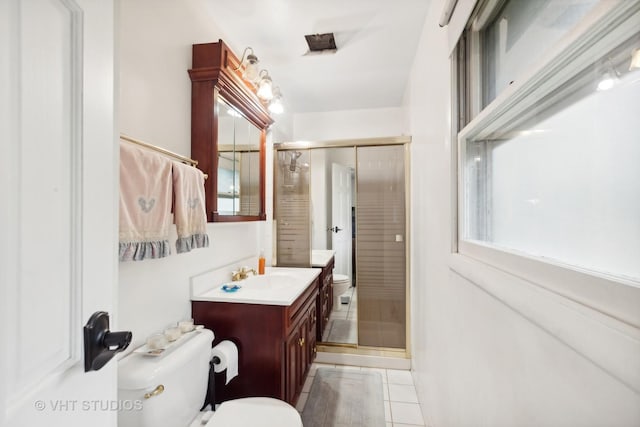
column 255, row 412
column 340, row 278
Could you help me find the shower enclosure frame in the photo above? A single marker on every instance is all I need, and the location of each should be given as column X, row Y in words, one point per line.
column 355, row 143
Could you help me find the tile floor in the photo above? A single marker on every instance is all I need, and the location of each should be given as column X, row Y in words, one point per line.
column 401, row 405
column 347, row 331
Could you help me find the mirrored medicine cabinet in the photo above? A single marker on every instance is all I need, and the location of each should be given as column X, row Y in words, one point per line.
column 228, row 133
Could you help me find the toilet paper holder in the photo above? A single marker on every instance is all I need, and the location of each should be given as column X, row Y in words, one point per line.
column 100, row 344
column 210, row 398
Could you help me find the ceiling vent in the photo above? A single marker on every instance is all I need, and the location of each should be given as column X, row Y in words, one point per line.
column 321, row 42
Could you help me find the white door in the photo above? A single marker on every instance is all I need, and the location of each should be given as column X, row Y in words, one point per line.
column 341, row 202
column 58, row 209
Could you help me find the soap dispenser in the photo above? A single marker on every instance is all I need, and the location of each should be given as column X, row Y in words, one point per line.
column 261, row 262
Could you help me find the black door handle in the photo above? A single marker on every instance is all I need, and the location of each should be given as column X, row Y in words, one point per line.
column 100, row 344
column 335, row 229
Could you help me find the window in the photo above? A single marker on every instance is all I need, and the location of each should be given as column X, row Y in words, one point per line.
column 550, row 160
column 520, row 34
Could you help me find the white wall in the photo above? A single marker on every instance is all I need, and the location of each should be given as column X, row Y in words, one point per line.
column 282, row 129
column 347, row 124
column 155, row 106
column 490, row 349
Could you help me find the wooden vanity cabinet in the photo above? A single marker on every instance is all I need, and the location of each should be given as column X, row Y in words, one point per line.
column 325, row 298
column 276, row 344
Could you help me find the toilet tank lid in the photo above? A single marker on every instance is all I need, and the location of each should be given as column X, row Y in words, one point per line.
column 138, row 371
column 340, row 278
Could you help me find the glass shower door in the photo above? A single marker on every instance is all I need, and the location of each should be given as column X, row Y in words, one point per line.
column 292, row 208
column 380, row 246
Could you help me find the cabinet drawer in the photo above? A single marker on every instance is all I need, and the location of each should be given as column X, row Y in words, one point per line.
column 297, row 311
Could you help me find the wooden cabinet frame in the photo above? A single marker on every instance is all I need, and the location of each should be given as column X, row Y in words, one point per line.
column 216, row 71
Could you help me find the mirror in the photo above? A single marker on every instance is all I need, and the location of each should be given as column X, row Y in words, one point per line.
column 238, row 163
column 228, row 135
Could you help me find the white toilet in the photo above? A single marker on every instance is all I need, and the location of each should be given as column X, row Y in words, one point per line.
column 175, row 385
column 341, row 283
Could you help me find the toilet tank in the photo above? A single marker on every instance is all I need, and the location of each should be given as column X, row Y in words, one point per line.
column 183, row 370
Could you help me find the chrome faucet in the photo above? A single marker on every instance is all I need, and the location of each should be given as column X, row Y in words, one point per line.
column 242, row 273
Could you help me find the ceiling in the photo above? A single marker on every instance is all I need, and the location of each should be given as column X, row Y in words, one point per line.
column 376, row 41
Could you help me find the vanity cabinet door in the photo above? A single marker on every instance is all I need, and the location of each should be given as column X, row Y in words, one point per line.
column 304, row 353
column 321, row 311
column 301, row 351
column 294, row 362
column 311, row 334
column 328, row 274
column 298, row 358
column 324, row 314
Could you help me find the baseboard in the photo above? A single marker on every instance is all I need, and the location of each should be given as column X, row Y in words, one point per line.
column 363, row 360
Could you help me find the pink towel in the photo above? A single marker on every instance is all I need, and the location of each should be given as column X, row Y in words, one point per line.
column 145, row 203
column 189, row 209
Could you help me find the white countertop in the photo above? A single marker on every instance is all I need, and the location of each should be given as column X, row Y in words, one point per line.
column 320, row 258
column 278, row 286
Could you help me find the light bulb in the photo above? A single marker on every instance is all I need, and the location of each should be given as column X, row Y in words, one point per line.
column 635, row 60
column 265, row 90
column 275, row 106
column 607, row 82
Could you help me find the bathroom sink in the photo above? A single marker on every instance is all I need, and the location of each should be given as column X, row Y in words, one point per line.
column 278, row 286
column 268, row 282
column 279, row 273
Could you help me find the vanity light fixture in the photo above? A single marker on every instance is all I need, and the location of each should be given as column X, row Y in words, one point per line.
column 250, row 62
column 260, row 79
column 275, row 106
column 635, row 59
column 265, row 86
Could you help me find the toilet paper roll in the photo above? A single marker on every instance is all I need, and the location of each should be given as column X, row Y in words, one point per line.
column 227, row 352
